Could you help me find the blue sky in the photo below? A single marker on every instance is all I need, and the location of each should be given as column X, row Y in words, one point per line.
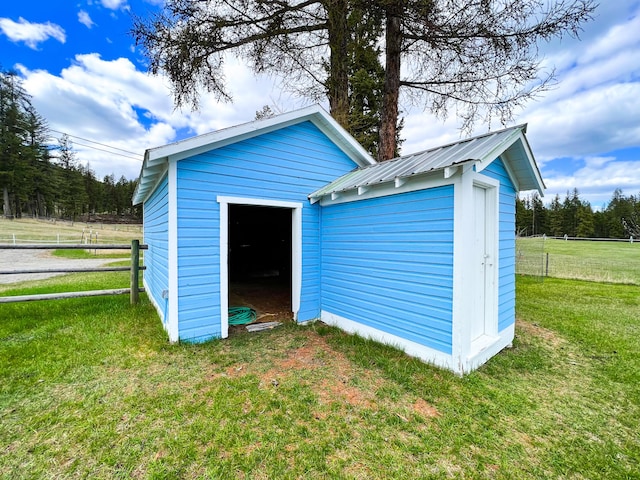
column 87, row 79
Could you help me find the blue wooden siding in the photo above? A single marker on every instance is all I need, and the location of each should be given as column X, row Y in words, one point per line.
column 507, row 244
column 284, row 165
column 156, row 235
column 387, row 263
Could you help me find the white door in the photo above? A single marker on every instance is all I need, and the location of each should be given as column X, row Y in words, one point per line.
column 481, row 260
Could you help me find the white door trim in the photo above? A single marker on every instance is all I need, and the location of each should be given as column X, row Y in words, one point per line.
column 463, row 285
column 492, row 236
column 296, row 251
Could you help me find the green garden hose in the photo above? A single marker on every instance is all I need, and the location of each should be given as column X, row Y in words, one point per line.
column 241, row 315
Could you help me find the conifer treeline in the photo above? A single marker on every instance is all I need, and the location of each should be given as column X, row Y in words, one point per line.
column 39, row 181
column 575, row 217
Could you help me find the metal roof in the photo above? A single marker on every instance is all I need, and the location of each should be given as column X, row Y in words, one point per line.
column 156, row 160
column 482, row 149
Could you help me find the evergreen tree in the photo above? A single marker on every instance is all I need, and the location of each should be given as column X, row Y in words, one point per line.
column 556, row 218
column 478, row 56
column 73, row 195
column 586, row 226
column 523, row 217
column 23, row 153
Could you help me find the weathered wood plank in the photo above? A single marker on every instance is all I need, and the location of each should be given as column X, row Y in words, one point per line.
column 62, row 295
column 54, row 246
column 70, row 270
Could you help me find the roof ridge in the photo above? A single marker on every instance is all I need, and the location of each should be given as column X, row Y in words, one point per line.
column 522, row 126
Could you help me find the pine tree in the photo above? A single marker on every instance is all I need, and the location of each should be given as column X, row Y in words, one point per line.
column 479, row 57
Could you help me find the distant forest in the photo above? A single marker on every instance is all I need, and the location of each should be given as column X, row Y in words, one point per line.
column 38, row 180
column 575, row 218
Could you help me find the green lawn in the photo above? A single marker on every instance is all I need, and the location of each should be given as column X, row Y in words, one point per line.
column 90, row 388
column 599, row 261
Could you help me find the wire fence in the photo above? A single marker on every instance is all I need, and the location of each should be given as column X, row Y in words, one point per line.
column 598, row 260
column 44, row 231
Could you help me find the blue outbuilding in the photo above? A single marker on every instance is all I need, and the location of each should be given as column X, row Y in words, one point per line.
column 417, row 252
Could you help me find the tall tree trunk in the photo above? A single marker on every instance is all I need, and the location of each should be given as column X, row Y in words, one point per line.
column 338, row 82
column 391, row 90
column 5, row 201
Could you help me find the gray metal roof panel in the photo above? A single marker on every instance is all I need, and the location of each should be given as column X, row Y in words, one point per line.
column 476, row 148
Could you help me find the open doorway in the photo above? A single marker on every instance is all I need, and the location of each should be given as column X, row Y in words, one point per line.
column 295, row 214
column 260, row 260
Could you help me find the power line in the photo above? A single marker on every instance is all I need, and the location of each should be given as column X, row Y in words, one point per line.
column 97, row 143
column 108, row 151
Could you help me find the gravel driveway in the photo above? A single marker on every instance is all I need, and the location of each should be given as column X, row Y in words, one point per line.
column 11, row 260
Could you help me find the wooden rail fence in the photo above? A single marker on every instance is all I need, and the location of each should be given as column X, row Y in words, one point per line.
column 133, row 290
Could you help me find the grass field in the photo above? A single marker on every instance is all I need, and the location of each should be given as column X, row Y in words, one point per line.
column 616, row 262
column 90, row 388
column 46, row 231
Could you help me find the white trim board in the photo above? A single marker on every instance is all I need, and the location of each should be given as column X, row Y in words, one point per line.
column 171, row 324
column 459, row 366
column 408, row 184
column 463, row 262
column 296, row 251
column 424, row 353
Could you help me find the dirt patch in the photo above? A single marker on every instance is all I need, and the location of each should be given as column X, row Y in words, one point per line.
column 334, row 373
column 422, row 408
column 536, row 330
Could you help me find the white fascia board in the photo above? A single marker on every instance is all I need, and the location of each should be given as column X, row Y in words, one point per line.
column 412, row 184
column 520, row 138
column 498, row 150
column 532, row 164
column 220, row 138
column 150, row 176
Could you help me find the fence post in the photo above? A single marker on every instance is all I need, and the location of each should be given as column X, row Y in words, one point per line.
column 546, row 271
column 135, row 260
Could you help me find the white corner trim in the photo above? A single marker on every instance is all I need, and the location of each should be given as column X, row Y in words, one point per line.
column 462, row 258
column 296, row 251
column 490, row 348
column 172, row 320
column 424, row 353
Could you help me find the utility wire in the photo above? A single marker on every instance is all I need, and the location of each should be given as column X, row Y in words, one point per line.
column 108, row 151
column 93, row 141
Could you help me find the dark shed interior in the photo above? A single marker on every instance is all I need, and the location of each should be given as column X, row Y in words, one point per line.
column 260, row 260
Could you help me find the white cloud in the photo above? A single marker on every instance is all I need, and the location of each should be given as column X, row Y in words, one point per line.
column 596, row 178
column 594, row 110
column 31, row 33
column 113, row 4
column 85, row 19
column 113, row 103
